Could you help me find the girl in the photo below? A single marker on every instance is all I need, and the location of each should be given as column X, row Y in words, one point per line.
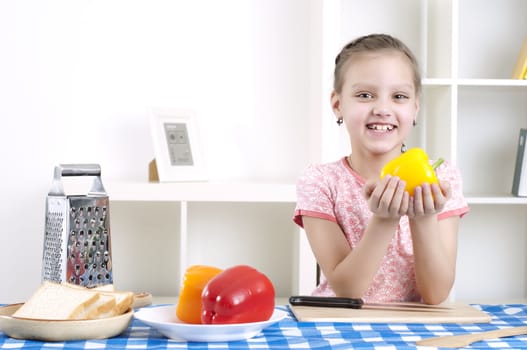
column 370, row 238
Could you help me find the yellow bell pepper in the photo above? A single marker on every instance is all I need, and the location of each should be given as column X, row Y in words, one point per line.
column 413, row 167
column 189, row 304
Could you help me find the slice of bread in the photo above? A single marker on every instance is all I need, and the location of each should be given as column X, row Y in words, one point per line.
column 105, row 305
column 64, row 301
column 54, row 301
column 123, row 300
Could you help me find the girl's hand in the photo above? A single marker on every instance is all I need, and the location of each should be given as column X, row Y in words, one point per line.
column 429, row 199
column 387, row 197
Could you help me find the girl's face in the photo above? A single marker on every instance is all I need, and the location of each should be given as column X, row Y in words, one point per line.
column 378, row 101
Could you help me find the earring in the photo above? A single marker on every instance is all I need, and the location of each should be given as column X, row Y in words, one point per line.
column 340, row 121
column 414, row 123
column 404, row 148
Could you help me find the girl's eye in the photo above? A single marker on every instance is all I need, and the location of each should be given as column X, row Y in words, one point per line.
column 400, row 97
column 364, row 95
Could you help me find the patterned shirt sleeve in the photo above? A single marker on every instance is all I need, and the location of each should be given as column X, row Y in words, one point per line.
column 456, row 205
column 314, row 196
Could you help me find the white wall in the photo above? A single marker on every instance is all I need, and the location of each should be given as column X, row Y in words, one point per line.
column 77, row 78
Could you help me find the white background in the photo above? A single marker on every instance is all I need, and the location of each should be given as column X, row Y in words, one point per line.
column 77, row 79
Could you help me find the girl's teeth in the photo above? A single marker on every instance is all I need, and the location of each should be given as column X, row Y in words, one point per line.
column 381, row 127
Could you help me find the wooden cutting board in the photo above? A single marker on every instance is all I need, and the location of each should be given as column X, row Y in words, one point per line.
column 454, row 313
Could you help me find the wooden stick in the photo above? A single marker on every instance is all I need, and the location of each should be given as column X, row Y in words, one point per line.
column 459, row 341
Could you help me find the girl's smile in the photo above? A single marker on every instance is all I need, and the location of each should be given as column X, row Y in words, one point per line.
column 381, row 127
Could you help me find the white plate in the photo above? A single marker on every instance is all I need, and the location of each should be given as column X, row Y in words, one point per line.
column 164, row 319
column 62, row 330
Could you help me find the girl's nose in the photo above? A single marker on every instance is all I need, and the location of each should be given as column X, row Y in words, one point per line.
column 381, row 111
column 381, row 108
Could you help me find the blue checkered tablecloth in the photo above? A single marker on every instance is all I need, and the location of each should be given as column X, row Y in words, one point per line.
column 290, row 334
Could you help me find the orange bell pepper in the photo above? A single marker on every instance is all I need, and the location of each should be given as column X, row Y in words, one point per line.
column 413, row 167
column 189, row 304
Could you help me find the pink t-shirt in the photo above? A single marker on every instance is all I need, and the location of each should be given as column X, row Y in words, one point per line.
column 333, row 191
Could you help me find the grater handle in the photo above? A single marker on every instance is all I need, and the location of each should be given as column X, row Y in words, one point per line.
column 80, row 169
column 57, row 188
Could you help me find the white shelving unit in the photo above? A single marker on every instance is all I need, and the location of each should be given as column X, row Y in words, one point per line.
column 471, row 114
column 219, row 224
column 203, row 192
column 491, row 108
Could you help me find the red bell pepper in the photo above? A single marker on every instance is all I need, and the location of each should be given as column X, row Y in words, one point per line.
column 239, row 294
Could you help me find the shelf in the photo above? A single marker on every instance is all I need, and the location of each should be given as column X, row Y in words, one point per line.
column 241, row 192
column 492, row 82
column 474, row 82
column 437, row 82
column 201, row 192
column 495, row 199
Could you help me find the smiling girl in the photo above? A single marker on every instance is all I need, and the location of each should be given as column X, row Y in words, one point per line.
column 370, row 238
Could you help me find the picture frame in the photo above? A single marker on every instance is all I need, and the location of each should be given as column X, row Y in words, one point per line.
column 177, row 146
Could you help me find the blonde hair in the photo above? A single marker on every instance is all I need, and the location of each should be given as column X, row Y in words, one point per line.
column 371, row 43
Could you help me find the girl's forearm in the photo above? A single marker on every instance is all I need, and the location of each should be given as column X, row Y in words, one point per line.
column 434, row 260
column 354, row 274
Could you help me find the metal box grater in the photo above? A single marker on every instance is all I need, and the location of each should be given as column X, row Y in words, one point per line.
column 77, row 244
